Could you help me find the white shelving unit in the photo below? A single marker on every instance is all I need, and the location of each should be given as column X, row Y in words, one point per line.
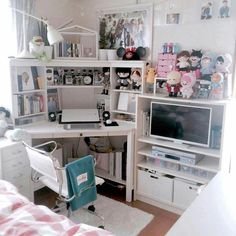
column 150, row 166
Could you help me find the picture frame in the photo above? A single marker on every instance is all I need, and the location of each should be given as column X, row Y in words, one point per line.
column 128, row 27
column 172, row 18
column 25, row 79
column 53, row 100
column 206, row 9
column 224, row 8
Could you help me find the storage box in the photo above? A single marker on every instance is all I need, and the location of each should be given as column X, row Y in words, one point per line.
column 184, row 192
column 154, row 185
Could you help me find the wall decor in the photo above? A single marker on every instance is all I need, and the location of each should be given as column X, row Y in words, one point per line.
column 172, row 18
column 206, row 9
column 224, row 8
column 125, row 27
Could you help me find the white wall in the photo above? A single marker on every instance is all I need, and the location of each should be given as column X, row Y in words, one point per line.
column 215, row 34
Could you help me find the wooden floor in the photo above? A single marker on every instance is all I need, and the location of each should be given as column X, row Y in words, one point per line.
column 161, row 223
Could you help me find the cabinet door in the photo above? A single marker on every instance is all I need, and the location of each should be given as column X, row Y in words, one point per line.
column 184, row 193
column 155, row 186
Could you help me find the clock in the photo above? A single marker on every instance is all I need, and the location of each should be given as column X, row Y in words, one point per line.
column 87, row 80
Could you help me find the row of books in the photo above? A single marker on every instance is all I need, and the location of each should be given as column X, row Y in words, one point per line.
column 114, row 163
column 30, row 104
column 68, row 49
column 28, row 79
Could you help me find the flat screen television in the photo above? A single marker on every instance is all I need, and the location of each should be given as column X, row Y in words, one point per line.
column 181, row 123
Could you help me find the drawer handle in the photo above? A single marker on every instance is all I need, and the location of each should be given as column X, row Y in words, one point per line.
column 154, row 177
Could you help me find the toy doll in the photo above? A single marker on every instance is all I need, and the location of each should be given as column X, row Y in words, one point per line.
column 187, row 82
column 195, row 59
column 204, row 89
column 124, row 78
column 173, row 83
column 105, row 80
column 183, row 61
column 151, row 72
column 217, row 80
column 136, row 78
column 207, row 65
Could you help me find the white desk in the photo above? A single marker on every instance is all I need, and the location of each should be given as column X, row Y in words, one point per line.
column 54, row 130
column 213, row 212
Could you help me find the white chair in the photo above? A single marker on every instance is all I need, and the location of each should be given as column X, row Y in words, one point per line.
column 47, row 169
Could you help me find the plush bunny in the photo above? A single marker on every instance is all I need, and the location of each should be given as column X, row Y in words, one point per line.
column 187, row 82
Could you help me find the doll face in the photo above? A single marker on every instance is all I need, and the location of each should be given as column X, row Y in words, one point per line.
column 123, row 75
column 205, row 62
column 173, row 81
column 183, row 58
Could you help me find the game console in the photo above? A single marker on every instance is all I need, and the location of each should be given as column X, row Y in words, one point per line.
column 183, row 157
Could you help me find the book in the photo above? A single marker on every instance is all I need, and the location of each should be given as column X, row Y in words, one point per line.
column 34, row 72
column 19, row 83
column 123, row 102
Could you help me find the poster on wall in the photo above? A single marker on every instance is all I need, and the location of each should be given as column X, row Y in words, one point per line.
column 172, row 18
column 125, row 27
column 206, row 9
column 224, row 8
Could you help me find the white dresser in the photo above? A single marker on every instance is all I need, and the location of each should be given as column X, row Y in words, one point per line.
column 14, row 166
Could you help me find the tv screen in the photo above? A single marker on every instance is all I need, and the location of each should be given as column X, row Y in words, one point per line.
column 181, row 123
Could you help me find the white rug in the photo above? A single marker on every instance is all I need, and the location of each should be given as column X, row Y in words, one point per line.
column 120, row 219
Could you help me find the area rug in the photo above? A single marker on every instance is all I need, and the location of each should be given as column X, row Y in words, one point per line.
column 119, row 219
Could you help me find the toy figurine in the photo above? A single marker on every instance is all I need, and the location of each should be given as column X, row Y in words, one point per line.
column 136, row 78
column 183, row 61
column 150, row 78
column 124, row 78
column 204, row 89
column 207, row 65
column 195, row 62
column 173, row 83
column 223, row 62
column 217, row 80
column 105, row 80
column 187, row 82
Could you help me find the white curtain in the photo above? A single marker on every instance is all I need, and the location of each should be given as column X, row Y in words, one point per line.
column 27, row 6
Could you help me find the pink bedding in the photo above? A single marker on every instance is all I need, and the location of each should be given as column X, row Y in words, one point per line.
column 20, row 217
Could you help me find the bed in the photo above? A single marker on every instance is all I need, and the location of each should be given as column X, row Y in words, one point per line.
column 20, row 217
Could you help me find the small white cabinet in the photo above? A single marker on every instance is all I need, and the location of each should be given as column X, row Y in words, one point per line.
column 14, row 166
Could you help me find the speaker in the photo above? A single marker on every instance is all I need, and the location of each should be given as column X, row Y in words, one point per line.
column 52, row 116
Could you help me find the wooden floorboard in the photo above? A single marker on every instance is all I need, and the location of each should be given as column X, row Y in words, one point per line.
column 161, row 223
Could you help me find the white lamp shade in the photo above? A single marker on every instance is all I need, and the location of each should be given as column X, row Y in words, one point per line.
column 53, row 35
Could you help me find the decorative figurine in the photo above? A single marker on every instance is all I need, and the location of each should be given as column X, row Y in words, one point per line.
column 105, row 80
column 173, row 83
column 207, row 65
column 217, row 84
column 183, row 61
column 136, row 78
column 124, row 80
column 195, row 62
column 151, row 72
column 187, row 82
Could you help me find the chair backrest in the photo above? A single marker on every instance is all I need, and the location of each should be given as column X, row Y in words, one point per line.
column 43, row 162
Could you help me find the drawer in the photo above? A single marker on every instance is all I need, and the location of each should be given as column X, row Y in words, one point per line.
column 155, row 185
column 12, row 165
column 163, row 56
column 15, row 151
column 162, row 62
column 184, row 193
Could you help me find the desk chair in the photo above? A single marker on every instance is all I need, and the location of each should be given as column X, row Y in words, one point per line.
column 64, row 180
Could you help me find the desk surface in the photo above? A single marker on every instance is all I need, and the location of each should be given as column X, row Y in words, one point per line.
column 213, row 213
column 55, row 130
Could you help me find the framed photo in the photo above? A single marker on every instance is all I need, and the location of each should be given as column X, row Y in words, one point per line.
column 125, row 27
column 224, row 8
column 206, row 9
column 25, row 79
column 172, row 18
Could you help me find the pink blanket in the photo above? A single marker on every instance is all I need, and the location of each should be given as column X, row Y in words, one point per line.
column 20, row 217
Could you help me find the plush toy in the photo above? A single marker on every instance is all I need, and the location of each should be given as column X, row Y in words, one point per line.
column 136, row 78
column 207, row 65
column 195, row 62
column 124, row 80
column 223, row 63
column 173, row 83
column 217, row 80
column 131, row 53
column 187, row 82
column 151, row 72
column 204, row 89
column 183, row 61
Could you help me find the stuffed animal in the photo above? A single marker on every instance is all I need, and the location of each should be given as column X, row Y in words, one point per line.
column 195, row 62
column 136, row 78
column 151, row 72
column 187, row 82
column 204, row 89
column 124, row 80
column 223, row 63
column 173, row 83
column 183, row 61
column 207, row 65
column 217, row 80
column 131, row 53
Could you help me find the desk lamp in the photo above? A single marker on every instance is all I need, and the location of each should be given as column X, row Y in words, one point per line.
column 52, row 34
